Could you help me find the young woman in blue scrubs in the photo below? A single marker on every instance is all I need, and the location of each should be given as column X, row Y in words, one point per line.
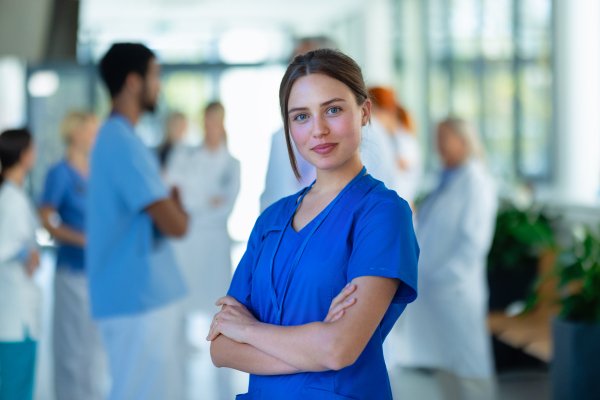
column 346, row 233
column 79, row 366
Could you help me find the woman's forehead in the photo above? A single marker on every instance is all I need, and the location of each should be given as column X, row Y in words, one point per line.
column 314, row 89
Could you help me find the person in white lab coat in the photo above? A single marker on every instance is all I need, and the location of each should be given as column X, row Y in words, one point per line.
column 281, row 180
column 445, row 329
column 80, row 366
column 209, row 181
column 19, row 259
column 175, row 129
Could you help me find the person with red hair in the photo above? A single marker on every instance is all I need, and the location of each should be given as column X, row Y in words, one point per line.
column 396, row 130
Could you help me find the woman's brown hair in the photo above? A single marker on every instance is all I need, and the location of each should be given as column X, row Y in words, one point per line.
column 328, row 62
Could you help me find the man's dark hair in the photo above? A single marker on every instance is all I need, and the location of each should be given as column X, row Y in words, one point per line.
column 120, row 61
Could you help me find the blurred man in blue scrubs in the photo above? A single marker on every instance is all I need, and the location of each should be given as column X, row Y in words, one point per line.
column 134, row 282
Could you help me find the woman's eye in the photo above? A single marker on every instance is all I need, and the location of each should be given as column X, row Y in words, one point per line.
column 300, row 117
column 333, row 110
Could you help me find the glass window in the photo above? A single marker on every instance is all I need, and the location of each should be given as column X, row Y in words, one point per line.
column 535, row 87
column 489, row 61
column 72, row 90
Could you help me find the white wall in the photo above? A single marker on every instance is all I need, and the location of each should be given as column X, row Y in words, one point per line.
column 12, row 93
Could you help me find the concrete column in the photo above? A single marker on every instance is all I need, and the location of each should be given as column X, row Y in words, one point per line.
column 577, row 105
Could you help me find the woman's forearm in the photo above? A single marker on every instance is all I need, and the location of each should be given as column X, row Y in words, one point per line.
column 244, row 357
column 60, row 232
column 310, row 347
column 66, row 235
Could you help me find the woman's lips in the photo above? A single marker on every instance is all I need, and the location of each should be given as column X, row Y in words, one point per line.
column 324, row 148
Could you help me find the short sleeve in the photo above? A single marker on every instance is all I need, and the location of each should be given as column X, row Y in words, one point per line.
column 384, row 244
column 137, row 174
column 55, row 188
column 241, row 283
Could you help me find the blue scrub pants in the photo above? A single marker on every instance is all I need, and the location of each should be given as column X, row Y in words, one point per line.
column 17, row 361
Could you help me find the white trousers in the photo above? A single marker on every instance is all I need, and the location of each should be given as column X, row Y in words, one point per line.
column 80, row 366
column 145, row 354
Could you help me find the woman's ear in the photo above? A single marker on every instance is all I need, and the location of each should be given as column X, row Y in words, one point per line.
column 366, row 112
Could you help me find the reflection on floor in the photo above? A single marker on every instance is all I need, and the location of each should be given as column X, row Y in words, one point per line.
column 205, row 382
column 515, row 385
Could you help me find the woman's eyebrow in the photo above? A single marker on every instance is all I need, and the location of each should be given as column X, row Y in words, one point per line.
column 328, row 102
column 297, row 109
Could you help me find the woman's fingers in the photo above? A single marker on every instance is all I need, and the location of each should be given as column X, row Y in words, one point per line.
column 347, row 291
column 336, row 316
column 214, row 331
column 227, row 300
column 334, row 312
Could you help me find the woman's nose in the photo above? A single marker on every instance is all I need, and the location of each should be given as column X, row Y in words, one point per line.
column 320, row 128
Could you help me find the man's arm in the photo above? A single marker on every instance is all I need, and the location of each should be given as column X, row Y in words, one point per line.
column 168, row 215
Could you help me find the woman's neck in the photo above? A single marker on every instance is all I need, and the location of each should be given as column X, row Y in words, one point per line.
column 213, row 145
column 335, row 179
column 16, row 175
column 78, row 159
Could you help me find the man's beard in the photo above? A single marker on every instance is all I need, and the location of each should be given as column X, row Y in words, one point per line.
column 147, row 104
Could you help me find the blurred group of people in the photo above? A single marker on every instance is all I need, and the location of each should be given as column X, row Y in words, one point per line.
column 142, row 240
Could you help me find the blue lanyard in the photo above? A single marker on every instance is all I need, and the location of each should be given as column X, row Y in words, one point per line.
column 279, row 307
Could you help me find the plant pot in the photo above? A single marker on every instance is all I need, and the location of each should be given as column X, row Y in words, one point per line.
column 508, row 285
column 575, row 368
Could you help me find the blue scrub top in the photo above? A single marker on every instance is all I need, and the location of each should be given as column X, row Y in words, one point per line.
column 65, row 191
column 369, row 232
column 131, row 267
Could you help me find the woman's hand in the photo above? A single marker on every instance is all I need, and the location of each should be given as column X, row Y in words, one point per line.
column 340, row 303
column 231, row 321
column 33, row 263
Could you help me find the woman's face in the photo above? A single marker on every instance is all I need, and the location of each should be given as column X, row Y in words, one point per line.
column 177, row 129
column 325, row 120
column 84, row 136
column 214, row 127
column 28, row 157
column 451, row 147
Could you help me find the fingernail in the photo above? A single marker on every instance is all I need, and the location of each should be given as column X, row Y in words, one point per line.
column 349, row 300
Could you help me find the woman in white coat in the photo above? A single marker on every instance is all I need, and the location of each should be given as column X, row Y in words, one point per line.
column 445, row 330
column 209, row 181
column 19, row 258
column 390, row 149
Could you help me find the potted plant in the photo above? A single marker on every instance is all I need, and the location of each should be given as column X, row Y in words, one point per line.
column 575, row 368
column 521, row 236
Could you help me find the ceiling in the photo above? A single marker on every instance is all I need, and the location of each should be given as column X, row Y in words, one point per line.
column 188, row 28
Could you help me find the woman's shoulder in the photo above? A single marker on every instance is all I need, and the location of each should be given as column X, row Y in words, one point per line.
column 475, row 175
column 11, row 197
column 372, row 194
